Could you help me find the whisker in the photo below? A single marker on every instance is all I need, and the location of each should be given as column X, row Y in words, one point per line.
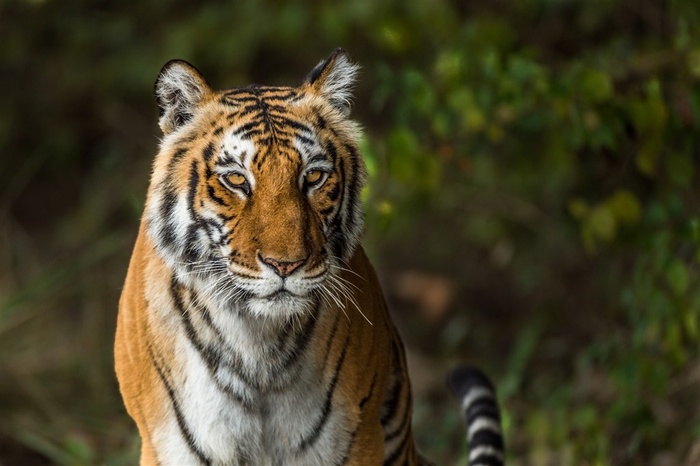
column 347, row 293
column 330, row 295
column 346, row 281
column 346, row 268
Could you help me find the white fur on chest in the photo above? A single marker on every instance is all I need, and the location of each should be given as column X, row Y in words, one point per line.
column 273, row 429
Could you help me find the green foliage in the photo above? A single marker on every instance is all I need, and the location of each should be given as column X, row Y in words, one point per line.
column 543, row 154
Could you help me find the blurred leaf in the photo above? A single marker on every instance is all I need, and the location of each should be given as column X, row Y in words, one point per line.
column 597, row 85
column 578, row 208
column 677, row 276
column 694, row 62
column 680, row 169
column 601, row 222
column 625, row 207
column 648, row 155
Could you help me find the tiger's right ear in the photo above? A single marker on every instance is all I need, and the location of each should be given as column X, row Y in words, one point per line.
column 334, row 79
column 179, row 89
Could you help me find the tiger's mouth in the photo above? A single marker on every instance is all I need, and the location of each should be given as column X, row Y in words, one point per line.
column 282, row 293
column 281, row 303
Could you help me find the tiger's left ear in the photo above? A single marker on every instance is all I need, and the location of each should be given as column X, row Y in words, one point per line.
column 179, row 89
column 334, row 79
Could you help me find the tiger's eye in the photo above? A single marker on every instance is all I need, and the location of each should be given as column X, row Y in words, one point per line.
column 313, row 177
column 236, row 179
column 236, row 182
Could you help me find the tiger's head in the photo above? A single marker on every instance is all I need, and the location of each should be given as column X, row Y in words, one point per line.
column 255, row 192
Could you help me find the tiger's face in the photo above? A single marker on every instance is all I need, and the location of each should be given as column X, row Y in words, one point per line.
column 255, row 192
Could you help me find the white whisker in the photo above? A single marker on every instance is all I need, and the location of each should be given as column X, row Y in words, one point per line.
column 342, row 288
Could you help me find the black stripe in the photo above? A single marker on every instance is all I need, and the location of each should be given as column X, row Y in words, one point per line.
column 346, row 456
column 280, row 130
column 400, row 451
column 179, row 417
column 371, row 390
column 212, row 195
column 314, row 74
column 353, row 189
column 167, row 205
column 284, row 335
column 390, row 405
column 280, row 93
column 209, row 150
column 168, row 201
column 483, row 409
column 212, row 228
column 255, row 91
column 250, row 134
column 167, row 234
column 211, row 356
column 331, row 338
column 405, row 422
column 277, row 108
column 301, row 343
column 206, row 317
column 240, row 96
column 337, row 238
column 175, row 159
column 332, row 151
column 486, row 437
column 399, row 351
column 488, row 460
column 286, row 144
column 186, row 139
column 194, row 184
column 191, row 251
column 315, row 433
column 285, row 121
column 333, row 193
column 228, row 159
column 251, row 109
column 246, row 127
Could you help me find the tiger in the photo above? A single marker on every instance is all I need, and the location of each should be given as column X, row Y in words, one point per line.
column 252, row 329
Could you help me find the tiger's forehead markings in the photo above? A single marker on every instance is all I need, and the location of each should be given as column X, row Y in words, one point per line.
column 265, row 115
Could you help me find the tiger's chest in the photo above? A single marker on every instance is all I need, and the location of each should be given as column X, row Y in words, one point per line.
column 265, row 407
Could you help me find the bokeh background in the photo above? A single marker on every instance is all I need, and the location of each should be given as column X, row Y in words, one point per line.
column 534, row 206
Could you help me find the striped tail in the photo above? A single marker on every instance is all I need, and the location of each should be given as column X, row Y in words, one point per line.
column 480, row 407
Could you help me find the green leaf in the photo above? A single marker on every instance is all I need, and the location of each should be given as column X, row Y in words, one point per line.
column 694, row 62
column 602, row 222
column 677, row 276
column 625, row 207
column 597, row 85
column 578, row 208
column 680, row 169
column 648, row 155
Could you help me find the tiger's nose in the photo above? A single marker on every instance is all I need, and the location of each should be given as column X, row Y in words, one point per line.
column 282, row 268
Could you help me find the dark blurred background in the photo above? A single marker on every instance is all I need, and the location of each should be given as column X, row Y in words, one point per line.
column 534, row 206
